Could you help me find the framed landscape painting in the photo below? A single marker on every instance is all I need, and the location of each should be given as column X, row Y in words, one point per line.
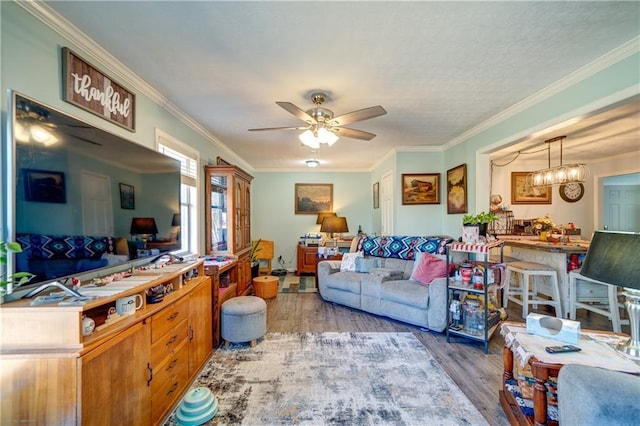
column 312, row 198
column 523, row 193
column 457, row 189
column 421, row 188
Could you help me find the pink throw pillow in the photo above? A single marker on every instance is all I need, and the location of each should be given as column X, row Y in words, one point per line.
column 429, row 268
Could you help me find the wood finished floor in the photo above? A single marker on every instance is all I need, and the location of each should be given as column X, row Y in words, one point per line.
column 478, row 375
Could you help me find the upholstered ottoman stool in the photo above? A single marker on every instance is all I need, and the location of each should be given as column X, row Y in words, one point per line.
column 244, row 319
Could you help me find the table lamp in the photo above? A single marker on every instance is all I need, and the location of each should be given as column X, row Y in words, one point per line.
column 333, row 225
column 143, row 226
column 613, row 258
column 176, row 222
column 322, row 215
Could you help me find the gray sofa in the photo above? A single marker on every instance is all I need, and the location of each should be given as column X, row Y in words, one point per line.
column 594, row 396
column 387, row 289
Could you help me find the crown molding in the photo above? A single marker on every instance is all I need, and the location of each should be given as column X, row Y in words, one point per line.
column 107, row 62
column 608, row 59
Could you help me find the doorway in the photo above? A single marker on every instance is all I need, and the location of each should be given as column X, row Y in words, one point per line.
column 97, row 208
column 621, row 203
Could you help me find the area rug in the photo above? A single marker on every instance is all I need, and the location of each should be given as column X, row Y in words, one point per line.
column 333, row 379
column 297, row 284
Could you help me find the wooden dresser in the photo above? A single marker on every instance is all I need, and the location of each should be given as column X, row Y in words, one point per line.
column 130, row 372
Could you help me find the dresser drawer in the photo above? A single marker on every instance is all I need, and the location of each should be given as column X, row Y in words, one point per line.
column 170, row 368
column 167, row 343
column 166, row 393
column 167, row 319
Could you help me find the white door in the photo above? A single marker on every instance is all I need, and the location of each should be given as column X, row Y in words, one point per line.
column 386, row 204
column 622, row 208
column 97, row 208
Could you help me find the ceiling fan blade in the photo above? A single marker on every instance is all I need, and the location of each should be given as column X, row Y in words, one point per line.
column 86, row 140
column 291, row 108
column 279, row 128
column 359, row 115
column 353, row 133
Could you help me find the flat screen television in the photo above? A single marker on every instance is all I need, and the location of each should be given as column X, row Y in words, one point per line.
column 74, row 189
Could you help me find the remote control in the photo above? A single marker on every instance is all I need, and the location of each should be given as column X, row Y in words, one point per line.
column 560, row 349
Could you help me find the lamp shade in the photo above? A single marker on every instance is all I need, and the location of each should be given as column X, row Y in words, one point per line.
column 176, row 220
column 613, row 258
column 143, row 226
column 334, row 225
column 322, row 215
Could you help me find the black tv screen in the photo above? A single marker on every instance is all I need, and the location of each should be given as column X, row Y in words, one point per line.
column 77, row 189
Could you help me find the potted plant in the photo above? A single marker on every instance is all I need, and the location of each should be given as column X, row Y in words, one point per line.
column 480, row 220
column 16, row 279
column 255, row 264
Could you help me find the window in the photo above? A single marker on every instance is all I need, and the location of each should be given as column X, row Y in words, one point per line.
column 188, row 158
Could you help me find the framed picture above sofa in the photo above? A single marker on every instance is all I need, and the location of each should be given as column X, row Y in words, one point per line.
column 313, row 198
column 421, row 188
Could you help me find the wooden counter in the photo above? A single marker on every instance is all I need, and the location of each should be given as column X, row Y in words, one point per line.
column 574, row 247
column 132, row 371
column 556, row 256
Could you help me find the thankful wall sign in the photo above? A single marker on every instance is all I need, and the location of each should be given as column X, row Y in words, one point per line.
column 90, row 89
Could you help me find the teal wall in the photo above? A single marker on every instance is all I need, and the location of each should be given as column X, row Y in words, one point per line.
column 30, row 63
column 273, row 210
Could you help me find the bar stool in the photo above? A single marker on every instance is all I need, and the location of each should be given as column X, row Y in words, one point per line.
column 575, row 301
column 527, row 270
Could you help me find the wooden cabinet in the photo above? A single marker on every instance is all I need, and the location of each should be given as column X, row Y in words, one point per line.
column 200, row 324
column 306, row 260
column 228, row 218
column 223, row 287
column 114, row 383
column 130, row 372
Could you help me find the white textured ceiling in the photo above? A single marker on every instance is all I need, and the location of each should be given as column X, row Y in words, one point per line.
column 439, row 68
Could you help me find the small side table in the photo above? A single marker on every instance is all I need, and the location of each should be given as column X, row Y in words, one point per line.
column 544, row 365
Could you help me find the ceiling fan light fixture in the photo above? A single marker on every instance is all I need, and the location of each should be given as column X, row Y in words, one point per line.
column 41, row 135
column 313, row 138
column 326, row 136
column 309, row 139
column 21, row 133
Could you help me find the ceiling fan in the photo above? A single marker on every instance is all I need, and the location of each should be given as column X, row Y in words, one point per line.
column 321, row 125
column 38, row 121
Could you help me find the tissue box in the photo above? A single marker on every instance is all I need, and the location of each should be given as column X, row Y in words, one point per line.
column 554, row 328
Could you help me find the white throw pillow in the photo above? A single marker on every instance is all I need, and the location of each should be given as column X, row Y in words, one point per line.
column 349, row 261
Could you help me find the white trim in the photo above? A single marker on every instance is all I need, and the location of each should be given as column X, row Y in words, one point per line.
column 587, row 109
column 101, row 58
column 625, row 50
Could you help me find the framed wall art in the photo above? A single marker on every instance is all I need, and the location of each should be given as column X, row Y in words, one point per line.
column 127, row 197
column 312, row 198
column 457, row 189
column 44, row 186
column 523, row 193
column 421, row 188
column 376, row 195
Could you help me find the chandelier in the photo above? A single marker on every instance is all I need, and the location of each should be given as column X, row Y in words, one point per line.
column 316, row 135
column 558, row 175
